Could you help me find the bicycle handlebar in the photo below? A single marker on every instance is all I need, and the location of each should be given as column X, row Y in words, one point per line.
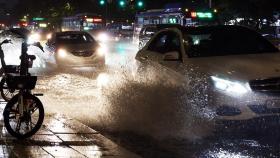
column 24, row 56
column 37, row 44
column 6, row 41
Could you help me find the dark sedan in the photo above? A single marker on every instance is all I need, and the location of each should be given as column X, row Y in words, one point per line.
column 75, row 48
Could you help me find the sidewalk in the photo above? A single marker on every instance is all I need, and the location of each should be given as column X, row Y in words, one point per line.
column 61, row 137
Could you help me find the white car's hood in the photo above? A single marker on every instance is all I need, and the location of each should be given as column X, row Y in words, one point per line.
column 239, row 67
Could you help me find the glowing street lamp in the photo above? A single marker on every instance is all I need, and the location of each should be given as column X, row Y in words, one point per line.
column 102, row 2
column 122, row 3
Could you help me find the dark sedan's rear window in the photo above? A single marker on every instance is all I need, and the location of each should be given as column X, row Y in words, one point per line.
column 225, row 41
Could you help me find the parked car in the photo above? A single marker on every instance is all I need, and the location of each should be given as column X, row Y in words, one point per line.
column 231, row 69
column 75, row 48
column 149, row 30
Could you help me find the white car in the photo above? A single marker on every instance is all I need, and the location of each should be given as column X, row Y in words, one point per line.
column 231, row 69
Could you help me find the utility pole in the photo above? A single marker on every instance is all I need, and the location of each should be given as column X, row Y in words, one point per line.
column 210, row 4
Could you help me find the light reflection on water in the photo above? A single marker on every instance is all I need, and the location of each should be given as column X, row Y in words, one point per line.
column 103, row 80
column 220, row 153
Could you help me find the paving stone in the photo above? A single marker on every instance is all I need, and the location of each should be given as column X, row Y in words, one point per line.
column 44, row 131
column 62, row 151
column 60, row 137
column 79, row 127
column 112, row 148
column 4, row 151
column 30, row 151
column 44, row 139
column 73, row 137
column 57, row 126
column 92, row 151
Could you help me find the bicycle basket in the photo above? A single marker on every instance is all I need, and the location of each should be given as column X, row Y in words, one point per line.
column 21, row 82
column 11, row 69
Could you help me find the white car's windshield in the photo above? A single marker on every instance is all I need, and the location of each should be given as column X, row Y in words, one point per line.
column 218, row 41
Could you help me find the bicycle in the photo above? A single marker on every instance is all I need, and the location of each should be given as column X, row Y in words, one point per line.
column 24, row 113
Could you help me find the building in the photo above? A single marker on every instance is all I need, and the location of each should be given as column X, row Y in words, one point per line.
column 6, row 9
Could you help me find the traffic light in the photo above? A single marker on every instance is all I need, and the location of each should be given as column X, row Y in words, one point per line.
column 102, row 2
column 140, row 4
column 122, row 3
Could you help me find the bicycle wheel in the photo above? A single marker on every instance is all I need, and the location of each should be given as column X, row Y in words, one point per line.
column 26, row 125
column 6, row 93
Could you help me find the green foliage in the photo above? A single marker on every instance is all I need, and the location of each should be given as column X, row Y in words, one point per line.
column 53, row 10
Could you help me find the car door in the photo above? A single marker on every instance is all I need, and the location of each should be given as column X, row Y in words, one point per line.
column 172, row 59
column 163, row 54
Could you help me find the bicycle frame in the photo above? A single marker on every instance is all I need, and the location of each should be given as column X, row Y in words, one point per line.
column 21, row 106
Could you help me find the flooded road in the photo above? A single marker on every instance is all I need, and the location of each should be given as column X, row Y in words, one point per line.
column 147, row 115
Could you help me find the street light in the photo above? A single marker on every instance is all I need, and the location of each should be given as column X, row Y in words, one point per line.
column 102, row 2
column 140, row 4
column 122, row 3
column 210, row 3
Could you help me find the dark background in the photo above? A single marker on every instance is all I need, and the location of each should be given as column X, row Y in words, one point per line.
column 13, row 10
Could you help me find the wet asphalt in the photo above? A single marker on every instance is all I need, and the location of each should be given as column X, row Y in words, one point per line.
column 135, row 115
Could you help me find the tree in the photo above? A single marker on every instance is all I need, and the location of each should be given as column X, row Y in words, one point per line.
column 53, row 10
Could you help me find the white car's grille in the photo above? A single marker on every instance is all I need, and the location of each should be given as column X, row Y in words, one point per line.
column 270, row 86
column 83, row 54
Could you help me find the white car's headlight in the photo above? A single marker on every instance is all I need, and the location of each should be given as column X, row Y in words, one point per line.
column 62, row 53
column 49, row 36
column 230, row 86
column 101, row 51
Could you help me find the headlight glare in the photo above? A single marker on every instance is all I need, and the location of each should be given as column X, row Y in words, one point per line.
column 49, row 36
column 229, row 86
column 62, row 53
column 101, row 51
column 103, row 37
